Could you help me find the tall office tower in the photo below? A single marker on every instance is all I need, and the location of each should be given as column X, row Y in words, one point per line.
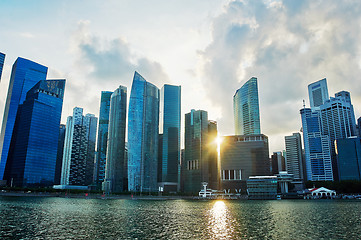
column 116, row 165
column 160, row 157
column 212, row 155
column 243, row 156
column 199, row 162
column 318, row 93
column 349, row 158
column 79, row 149
column 102, row 144
column 359, row 127
column 59, row 156
column 246, row 109
column 34, row 145
column 2, row 59
column 143, row 130
column 25, row 74
column 278, row 163
column 317, row 147
column 293, row 156
column 170, row 120
column 338, row 121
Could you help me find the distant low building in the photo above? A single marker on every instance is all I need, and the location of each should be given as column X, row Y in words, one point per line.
column 262, row 187
column 321, row 192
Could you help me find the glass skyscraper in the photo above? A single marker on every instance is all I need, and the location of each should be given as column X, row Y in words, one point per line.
column 348, row 152
column 318, row 93
column 116, row 171
column 200, row 146
column 79, row 149
column 33, row 150
column 25, row 74
column 143, row 130
column 2, row 59
column 59, row 158
column 102, row 144
column 170, row 120
column 246, row 109
column 317, row 147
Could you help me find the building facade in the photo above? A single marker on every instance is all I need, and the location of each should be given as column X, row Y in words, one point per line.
column 116, row 171
column 200, row 146
column 349, row 158
column 33, row 149
column 102, row 143
column 143, row 130
column 59, row 157
column 278, row 163
column 2, row 60
column 170, row 121
column 317, row 147
column 79, row 149
column 318, row 93
column 25, row 74
column 246, row 109
column 242, row 156
column 293, row 156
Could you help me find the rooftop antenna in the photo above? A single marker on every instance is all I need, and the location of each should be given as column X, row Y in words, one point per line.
column 304, row 105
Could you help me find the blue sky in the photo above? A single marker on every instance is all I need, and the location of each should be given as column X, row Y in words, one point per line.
column 207, row 47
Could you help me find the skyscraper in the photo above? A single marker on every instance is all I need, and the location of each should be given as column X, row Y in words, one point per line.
column 59, row 157
column 349, row 158
column 79, row 149
column 2, row 59
column 170, row 120
column 143, row 130
column 278, row 163
column 317, row 147
column 243, row 156
column 246, row 109
column 359, row 127
column 33, row 150
column 294, row 162
column 116, row 173
column 318, row 93
column 102, row 144
column 25, row 74
column 199, row 161
column 338, row 122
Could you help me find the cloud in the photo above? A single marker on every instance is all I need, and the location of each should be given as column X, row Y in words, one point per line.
column 287, row 45
column 103, row 64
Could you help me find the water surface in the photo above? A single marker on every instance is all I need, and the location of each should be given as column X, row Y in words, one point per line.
column 67, row 218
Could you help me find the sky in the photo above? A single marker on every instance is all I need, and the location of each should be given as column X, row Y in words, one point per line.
column 207, row 46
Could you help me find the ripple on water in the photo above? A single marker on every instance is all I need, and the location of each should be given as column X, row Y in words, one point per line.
column 61, row 218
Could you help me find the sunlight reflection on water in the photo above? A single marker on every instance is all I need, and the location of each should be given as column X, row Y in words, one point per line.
column 219, row 221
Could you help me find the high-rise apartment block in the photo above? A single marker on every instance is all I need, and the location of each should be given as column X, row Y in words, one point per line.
column 102, row 143
column 318, row 93
column 246, row 109
column 170, row 120
column 143, row 130
column 25, row 74
column 2, row 59
column 200, row 144
column 116, row 171
column 293, row 156
column 79, row 149
column 34, row 145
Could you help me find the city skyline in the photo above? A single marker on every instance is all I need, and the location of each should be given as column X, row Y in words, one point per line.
column 219, row 40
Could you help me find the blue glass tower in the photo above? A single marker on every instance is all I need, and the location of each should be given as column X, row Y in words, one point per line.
column 116, row 173
column 99, row 171
column 317, row 147
column 33, row 150
column 348, row 152
column 170, row 126
column 25, row 74
column 143, row 130
column 2, row 59
column 246, row 109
